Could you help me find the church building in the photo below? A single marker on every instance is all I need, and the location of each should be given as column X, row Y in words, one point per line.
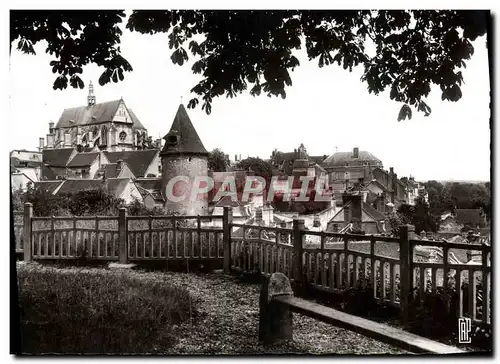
column 109, row 126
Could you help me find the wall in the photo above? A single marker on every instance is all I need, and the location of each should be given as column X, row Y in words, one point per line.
column 130, row 192
column 153, row 167
column 26, row 155
column 190, row 167
column 19, row 181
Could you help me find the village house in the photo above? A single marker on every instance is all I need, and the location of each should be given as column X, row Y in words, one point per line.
column 346, row 168
column 122, row 188
column 357, row 216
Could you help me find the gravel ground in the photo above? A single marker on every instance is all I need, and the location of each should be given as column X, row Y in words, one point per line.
column 228, row 317
column 225, row 321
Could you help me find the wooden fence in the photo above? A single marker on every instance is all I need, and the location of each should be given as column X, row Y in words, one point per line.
column 326, row 261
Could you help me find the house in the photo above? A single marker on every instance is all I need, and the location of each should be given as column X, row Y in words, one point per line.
column 85, row 165
column 358, row 214
column 346, row 168
column 21, row 180
column 50, row 187
column 142, row 163
column 284, row 162
column 55, row 162
column 150, row 189
column 449, row 224
column 120, row 169
column 123, row 188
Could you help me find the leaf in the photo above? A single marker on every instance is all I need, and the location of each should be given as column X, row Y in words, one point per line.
column 404, row 112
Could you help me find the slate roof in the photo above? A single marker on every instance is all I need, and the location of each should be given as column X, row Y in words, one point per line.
column 57, row 157
column 377, row 183
column 469, row 216
column 137, row 160
column 150, row 186
column 188, row 140
column 114, row 185
column 48, row 173
column 88, row 115
column 340, row 158
column 318, row 159
column 83, row 160
column 109, row 170
column 226, row 201
column 48, row 186
column 18, row 163
column 96, row 114
column 377, row 215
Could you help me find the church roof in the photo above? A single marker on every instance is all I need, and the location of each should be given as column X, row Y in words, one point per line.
column 137, row 160
column 96, row 114
column 345, row 157
column 188, row 141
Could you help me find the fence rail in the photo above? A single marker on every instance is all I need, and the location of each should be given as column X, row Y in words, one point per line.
column 392, row 267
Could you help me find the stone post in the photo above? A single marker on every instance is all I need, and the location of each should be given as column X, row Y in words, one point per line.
column 227, row 220
column 122, row 235
column 28, row 214
column 275, row 319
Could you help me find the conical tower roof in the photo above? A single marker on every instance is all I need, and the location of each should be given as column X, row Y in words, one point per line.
column 182, row 137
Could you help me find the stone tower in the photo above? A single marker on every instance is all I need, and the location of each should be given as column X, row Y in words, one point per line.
column 183, row 156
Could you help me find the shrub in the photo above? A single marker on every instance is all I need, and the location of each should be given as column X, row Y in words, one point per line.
column 97, row 311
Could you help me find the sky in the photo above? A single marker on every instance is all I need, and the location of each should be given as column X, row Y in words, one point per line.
column 326, row 109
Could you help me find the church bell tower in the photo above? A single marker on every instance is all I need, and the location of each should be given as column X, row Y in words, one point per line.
column 91, row 96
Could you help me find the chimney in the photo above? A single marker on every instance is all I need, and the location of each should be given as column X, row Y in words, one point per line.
column 67, row 140
column 41, row 142
column 391, row 170
column 236, row 158
column 355, row 210
column 258, row 216
column 51, row 127
column 119, row 165
column 268, row 212
column 355, row 152
column 50, row 140
column 295, row 154
column 316, row 221
column 239, row 158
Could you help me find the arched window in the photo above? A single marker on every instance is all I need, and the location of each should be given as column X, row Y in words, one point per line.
column 104, row 135
column 123, row 136
column 95, row 131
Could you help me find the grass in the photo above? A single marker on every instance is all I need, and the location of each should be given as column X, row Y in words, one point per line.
column 97, row 311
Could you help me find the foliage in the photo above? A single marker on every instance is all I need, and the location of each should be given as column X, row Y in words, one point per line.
column 75, row 38
column 396, row 220
column 404, row 51
column 419, row 215
column 258, row 166
column 97, row 311
column 451, row 196
column 80, row 203
column 218, row 161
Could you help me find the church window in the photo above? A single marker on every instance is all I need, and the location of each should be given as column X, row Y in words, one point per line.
column 123, row 136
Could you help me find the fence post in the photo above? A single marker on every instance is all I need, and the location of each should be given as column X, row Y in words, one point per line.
column 28, row 214
column 405, row 281
column 298, row 237
column 227, row 220
column 122, row 235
